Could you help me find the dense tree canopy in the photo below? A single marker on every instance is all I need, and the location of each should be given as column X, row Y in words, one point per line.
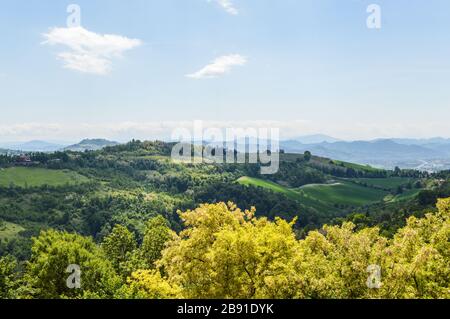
column 225, row 252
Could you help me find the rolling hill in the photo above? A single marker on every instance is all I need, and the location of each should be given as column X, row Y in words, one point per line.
column 340, row 194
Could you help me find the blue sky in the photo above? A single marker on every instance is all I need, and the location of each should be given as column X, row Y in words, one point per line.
column 309, row 66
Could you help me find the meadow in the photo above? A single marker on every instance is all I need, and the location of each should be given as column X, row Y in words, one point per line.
column 35, row 177
column 342, row 193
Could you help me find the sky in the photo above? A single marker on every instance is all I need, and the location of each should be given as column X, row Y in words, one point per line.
column 141, row 68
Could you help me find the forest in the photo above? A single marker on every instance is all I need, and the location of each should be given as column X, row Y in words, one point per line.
column 139, row 225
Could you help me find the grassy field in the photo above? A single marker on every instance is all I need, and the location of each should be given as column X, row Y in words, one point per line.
column 269, row 185
column 324, row 197
column 9, row 230
column 344, row 193
column 24, row 176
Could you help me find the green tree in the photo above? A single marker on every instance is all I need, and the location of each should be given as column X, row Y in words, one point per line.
column 157, row 234
column 307, row 156
column 228, row 253
column 332, row 262
column 53, row 252
column 417, row 263
column 118, row 245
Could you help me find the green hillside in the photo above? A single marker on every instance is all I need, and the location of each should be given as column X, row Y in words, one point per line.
column 343, row 193
column 9, row 230
column 32, row 177
column 245, row 180
column 324, row 197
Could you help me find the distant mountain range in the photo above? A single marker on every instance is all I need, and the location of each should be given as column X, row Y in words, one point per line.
column 429, row 141
column 316, row 138
column 430, row 154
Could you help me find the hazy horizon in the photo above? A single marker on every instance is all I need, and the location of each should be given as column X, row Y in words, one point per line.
column 66, row 142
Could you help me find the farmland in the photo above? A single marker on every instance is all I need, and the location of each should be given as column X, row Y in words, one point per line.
column 35, row 177
column 342, row 193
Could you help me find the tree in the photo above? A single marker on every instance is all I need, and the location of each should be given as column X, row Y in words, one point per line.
column 119, row 244
column 417, row 263
column 427, row 197
column 332, row 262
column 157, row 234
column 307, row 156
column 228, row 253
column 53, row 252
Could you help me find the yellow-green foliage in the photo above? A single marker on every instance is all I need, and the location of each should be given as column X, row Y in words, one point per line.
column 227, row 253
column 147, row 284
column 8, row 282
column 417, row 262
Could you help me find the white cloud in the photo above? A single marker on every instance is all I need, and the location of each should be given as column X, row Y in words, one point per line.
column 219, row 66
column 228, row 6
column 89, row 52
